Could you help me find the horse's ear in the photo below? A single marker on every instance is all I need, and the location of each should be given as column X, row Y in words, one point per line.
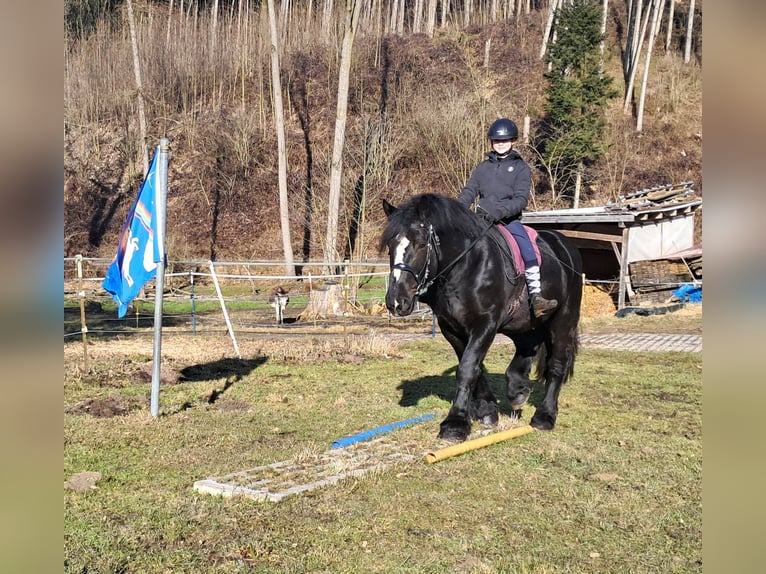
column 388, row 208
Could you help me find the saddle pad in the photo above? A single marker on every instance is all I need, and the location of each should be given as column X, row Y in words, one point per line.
column 515, row 251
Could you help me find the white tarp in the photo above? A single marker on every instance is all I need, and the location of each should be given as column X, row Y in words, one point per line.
column 660, row 239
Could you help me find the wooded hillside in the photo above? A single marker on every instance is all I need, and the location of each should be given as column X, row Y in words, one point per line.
column 426, row 80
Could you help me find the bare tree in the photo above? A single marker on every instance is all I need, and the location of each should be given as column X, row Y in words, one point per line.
column 633, row 50
column 213, row 26
column 669, row 33
column 417, row 17
column 658, row 7
column 327, row 12
column 353, row 9
column 139, row 86
column 689, row 30
column 431, row 18
column 549, row 26
column 605, row 10
column 170, row 17
column 467, row 11
column 279, row 120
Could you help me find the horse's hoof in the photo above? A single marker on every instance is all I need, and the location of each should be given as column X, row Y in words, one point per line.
column 543, row 422
column 489, row 420
column 519, row 401
column 454, row 433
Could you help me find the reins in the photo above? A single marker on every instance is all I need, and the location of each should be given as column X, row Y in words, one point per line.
column 424, row 285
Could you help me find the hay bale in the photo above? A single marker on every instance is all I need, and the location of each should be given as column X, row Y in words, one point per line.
column 596, row 301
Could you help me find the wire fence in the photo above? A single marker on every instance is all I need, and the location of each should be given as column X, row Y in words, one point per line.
column 191, row 305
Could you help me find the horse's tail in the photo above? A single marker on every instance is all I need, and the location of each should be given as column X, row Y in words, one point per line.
column 568, row 317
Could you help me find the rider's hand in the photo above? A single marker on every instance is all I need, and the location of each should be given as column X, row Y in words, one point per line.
column 485, row 215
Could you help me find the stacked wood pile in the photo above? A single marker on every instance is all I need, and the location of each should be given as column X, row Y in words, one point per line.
column 669, row 195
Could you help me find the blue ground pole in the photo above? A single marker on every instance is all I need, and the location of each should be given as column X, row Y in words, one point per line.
column 368, row 434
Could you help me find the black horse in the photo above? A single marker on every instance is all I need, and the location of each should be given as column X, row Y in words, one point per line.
column 444, row 255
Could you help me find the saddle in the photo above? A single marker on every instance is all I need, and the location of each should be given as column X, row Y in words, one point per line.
column 518, row 262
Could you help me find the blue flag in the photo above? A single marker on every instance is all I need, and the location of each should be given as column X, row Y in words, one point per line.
column 138, row 251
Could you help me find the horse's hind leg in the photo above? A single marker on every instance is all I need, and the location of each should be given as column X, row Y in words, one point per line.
column 555, row 369
column 519, row 385
column 545, row 415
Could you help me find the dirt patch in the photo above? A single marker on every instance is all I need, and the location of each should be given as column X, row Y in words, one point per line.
column 113, row 406
column 168, row 376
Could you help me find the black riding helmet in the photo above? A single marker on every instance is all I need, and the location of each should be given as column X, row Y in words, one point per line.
column 503, row 129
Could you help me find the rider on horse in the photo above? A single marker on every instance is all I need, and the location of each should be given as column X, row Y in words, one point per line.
column 500, row 188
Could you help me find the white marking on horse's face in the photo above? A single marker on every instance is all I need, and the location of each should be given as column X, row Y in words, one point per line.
column 399, row 251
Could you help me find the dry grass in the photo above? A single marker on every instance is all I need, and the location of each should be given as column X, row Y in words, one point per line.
column 616, row 487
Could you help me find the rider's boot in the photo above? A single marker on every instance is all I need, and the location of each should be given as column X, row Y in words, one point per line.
column 540, row 305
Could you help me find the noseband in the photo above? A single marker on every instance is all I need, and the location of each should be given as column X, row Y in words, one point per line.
column 422, row 277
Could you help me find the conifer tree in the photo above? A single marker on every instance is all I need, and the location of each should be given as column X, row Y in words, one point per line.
column 570, row 136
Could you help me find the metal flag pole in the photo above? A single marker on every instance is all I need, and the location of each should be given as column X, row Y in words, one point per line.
column 161, row 191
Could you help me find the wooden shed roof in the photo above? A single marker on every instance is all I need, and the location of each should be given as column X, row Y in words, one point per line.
column 648, row 205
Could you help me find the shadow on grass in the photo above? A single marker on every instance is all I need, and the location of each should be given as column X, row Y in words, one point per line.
column 443, row 386
column 231, row 369
column 104, row 324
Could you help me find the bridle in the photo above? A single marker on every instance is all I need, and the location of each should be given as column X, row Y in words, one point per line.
column 423, row 284
column 432, row 245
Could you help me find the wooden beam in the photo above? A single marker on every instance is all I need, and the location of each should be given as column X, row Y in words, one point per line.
column 624, row 271
column 591, row 235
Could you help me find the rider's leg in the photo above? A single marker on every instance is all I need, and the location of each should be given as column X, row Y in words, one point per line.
column 540, row 305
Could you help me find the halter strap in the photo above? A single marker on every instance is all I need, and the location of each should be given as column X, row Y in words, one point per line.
column 422, row 276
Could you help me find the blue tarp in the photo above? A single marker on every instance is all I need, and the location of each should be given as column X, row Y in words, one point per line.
column 689, row 293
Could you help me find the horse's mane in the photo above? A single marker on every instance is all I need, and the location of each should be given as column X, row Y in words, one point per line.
column 445, row 214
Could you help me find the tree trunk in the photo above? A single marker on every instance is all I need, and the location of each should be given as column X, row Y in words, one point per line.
column 669, row 34
column 689, row 30
column 327, row 19
column 548, row 27
column 213, row 27
column 578, row 186
column 324, row 302
column 170, row 17
column 467, row 9
column 139, row 87
column 279, row 120
column 353, row 8
column 431, row 18
column 417, row 17
column 658, row 5
column 605, row 9
column 639, row 44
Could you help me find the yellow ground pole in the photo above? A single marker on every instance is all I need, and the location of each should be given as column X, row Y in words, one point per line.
column 476, row 443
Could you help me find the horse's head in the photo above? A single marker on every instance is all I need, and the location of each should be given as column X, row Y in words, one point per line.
column 411, row 243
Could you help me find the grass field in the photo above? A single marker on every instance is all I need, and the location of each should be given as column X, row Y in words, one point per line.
column 616, row 487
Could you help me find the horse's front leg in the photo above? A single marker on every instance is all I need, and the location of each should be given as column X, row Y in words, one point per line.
column 483, row 401
column 457, row 426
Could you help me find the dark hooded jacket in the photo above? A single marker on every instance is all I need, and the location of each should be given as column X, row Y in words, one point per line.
column 499, row 186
